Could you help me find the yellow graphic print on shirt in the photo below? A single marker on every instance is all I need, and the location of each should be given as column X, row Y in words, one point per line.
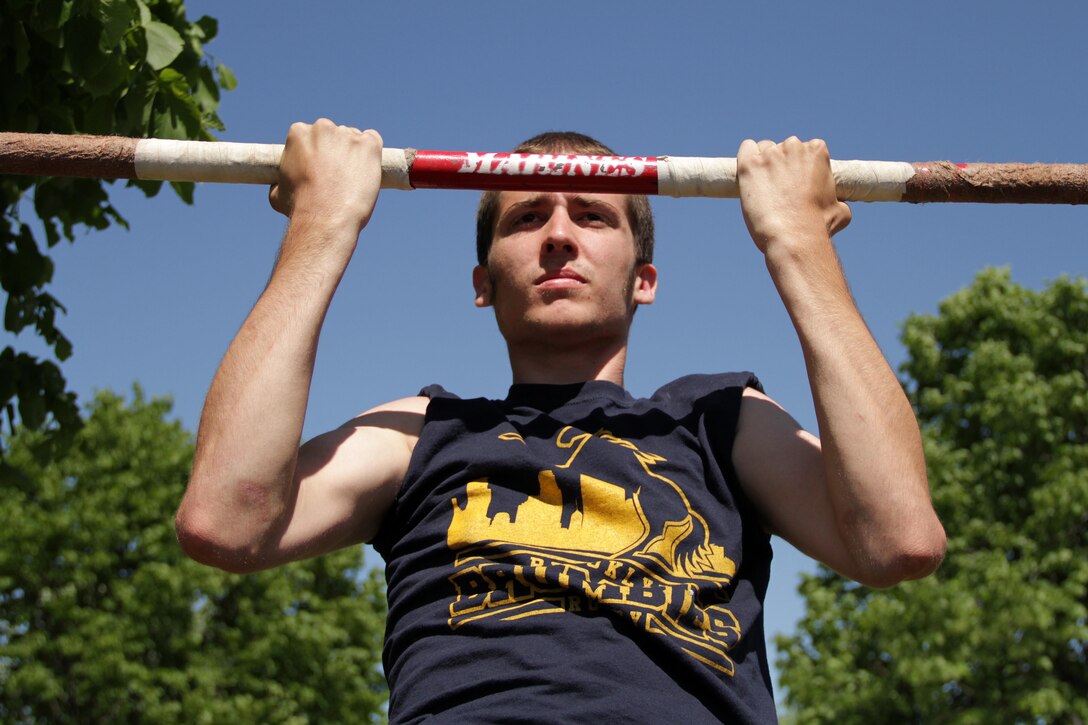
column 546, row 556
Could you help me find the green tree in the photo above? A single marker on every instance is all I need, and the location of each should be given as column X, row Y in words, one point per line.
column 106, row 67
column 103, row 619
column 999, row 380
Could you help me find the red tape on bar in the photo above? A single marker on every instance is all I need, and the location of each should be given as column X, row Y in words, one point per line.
column 538, row 172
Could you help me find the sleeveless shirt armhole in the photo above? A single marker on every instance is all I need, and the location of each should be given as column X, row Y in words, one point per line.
column 721, row 425
column 383, row 540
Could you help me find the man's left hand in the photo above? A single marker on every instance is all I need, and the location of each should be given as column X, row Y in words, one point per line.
column 787, row 193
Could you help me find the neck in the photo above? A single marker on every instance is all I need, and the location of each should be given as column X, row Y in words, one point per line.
column 547, row 364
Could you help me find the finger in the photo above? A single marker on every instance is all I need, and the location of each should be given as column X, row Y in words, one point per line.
column 297, row 130
column 818, row 146
column 747, row 148
column 765, row 145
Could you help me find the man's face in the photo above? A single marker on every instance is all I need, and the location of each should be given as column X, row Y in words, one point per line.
column 562, row 268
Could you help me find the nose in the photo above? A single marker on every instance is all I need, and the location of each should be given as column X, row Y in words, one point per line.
column 560, row 234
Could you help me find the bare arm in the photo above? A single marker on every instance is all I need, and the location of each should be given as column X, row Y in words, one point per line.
column 858, row 497
column 254, row 500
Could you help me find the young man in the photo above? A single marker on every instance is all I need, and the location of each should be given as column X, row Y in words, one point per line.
column 570, row 552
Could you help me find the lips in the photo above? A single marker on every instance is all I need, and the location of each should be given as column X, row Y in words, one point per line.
column 560, row 277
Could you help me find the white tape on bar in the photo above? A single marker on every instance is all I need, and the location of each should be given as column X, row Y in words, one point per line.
column 717, row 177
column 395, row 170
column 238, row 163
column 871, row 180
column 694, row 176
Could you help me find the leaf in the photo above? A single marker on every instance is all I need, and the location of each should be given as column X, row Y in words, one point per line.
column 116, row 17
column 145, row 13
column 32, row 408
column 149, row 188
column 112, row 75
column 205, row 90
column 163, row 44
column 227, row 81
column 176, row 114
column 62, row 347
column 22, row 48
column 184, row 189
column 84, row 55
column 137, row 104
column 57, row 118
column 53, row 14
column 7, row 374
column 208, row 28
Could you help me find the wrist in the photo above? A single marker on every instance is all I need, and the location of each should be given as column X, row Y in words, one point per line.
column 797, row 249
column 808, row 276
column 328, row 217
column 319, row 242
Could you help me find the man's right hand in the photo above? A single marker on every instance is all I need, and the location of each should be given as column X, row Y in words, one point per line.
column 329, row 175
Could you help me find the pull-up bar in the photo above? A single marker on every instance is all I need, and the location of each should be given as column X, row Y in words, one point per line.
column 112, row 157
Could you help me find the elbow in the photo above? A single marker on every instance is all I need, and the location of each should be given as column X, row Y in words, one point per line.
column 210, row 543
column 915, row 557
column 205, row 548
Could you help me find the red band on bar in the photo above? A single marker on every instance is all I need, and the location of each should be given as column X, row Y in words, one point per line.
column 534, row 172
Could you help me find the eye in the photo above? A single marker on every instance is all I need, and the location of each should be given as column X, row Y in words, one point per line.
column 595, row 219
column 526, row 219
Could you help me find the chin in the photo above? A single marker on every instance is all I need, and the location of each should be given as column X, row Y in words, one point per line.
column 569, row 329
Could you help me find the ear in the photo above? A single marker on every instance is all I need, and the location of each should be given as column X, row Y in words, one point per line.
column 645, row 287
column 481, row 281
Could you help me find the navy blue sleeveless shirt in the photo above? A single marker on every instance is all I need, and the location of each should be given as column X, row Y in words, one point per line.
column 573, row 554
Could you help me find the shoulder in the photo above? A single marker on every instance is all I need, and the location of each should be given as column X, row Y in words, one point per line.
column 763, row 427
column 401, row 419
column 700, row 385
column 415, row 404
column 779, row 464
column 381, row 433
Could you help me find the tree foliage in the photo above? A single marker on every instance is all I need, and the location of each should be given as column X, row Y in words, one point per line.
column 107, row 67
column 103, row 618
column 999, row 380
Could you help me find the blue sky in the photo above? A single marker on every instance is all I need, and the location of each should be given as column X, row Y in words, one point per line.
column 966, row 81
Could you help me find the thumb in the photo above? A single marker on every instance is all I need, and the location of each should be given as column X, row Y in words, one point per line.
column 276, row 200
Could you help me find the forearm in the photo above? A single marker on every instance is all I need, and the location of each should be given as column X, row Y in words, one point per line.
column 243, row 482
column 871, row 446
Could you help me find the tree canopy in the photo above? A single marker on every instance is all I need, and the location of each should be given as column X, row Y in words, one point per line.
column 999, row 380
column 107, row 67
column 103, row 619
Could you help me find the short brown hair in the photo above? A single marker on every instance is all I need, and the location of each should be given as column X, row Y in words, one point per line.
column 639, row 215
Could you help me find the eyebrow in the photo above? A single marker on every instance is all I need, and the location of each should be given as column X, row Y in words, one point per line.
column 577, row 200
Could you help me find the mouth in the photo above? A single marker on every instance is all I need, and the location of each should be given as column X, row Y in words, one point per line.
column 558, row 278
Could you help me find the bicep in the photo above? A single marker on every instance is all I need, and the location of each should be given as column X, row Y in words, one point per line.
column 346, row 479
column 781, row 469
